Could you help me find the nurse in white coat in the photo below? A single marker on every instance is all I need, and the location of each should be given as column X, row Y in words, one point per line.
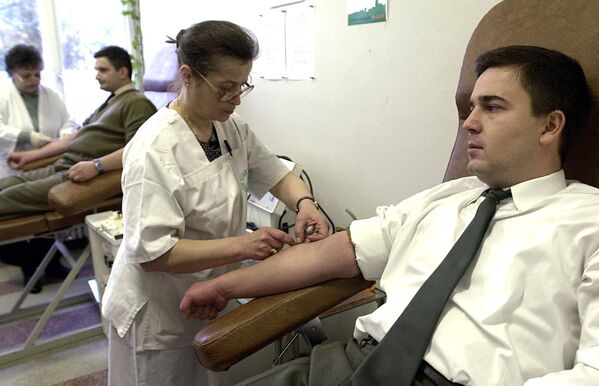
column 187, row 174
column 31, row 115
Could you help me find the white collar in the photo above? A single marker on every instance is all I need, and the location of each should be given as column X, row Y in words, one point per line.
column 526, row 194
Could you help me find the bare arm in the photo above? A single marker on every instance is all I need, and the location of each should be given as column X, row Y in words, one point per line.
column 289, row 190
column 21, row 158
column 292, row 268
column 114, row 160
column 86, row 170
column 196, row 255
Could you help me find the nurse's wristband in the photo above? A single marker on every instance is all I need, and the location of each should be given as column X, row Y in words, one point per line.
column 98, row 165
column 297, row 204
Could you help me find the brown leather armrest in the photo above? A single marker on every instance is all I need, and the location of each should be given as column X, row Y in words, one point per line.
column 41, row 163
column 72, row 197
column 241, row 332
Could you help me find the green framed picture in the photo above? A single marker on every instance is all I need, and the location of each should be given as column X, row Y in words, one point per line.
column 366, row 11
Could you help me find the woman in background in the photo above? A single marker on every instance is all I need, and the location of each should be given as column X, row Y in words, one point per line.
column 31, row 115
column 187, row 174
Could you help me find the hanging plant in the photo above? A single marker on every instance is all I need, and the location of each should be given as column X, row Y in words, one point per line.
column 131, row 12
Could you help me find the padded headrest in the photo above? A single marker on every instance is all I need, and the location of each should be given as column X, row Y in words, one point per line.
column 163, row 72
column 567, row 26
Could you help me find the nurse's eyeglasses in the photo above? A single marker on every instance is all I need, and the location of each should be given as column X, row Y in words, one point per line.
column 230, row 94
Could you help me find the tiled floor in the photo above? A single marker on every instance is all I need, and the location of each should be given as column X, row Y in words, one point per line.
column 62, row 366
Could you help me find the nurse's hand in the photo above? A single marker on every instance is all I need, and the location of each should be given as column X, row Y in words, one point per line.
column 310, row 224
column 82, row 171
column 264, row 242
column 203, row 300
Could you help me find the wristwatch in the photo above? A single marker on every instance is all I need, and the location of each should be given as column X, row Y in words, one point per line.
column 98, row 165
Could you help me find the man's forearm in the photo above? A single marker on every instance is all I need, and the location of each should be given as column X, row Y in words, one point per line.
column 55, row 147
column 113, row 161
column 296, row 267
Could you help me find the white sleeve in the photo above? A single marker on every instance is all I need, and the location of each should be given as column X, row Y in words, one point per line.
column 154, row 220
column 8, row 134
column 373, row 237
column 8, row 137
column 586, row 367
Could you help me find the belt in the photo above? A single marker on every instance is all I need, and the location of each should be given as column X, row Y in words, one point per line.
column 427, row 372
column 426, row 375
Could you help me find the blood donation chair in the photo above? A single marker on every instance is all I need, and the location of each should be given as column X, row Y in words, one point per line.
column 567, row 26
column 161, row 75
column 71, row 203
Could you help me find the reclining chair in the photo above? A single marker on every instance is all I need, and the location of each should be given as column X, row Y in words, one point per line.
column 160, row 77
column 569, row 27
column 71, row 203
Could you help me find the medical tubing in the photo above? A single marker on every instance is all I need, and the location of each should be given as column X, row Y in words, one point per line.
column 303, row 173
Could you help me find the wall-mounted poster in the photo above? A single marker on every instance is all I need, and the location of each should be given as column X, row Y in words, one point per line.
column 366, row 11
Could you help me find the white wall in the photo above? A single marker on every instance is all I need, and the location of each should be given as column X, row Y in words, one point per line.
column 378, row 122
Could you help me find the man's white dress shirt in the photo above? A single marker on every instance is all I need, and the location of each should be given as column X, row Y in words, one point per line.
column 527, row 309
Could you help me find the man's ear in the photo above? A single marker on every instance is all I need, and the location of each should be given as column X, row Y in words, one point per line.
column 124, row 73
column 554, row 125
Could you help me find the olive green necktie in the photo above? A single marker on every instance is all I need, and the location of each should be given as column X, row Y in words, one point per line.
column 397, row 357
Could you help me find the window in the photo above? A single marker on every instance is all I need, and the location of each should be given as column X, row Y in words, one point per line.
column 84, row 27
column 18, row 23
column 67, row 32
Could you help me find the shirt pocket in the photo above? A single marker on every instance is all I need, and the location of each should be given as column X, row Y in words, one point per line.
column 212, row 197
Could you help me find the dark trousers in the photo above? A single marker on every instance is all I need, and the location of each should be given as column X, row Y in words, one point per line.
column 26, row 254
column 29, row 254
column 333, row 364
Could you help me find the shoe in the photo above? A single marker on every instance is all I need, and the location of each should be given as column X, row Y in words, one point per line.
column 37, row 287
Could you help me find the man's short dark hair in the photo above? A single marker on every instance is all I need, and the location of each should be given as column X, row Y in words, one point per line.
column 117, row 56
column 553, row 80
column 23, row 56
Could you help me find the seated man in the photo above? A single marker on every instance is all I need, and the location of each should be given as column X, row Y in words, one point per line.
column 95, row 148
column 523, row 310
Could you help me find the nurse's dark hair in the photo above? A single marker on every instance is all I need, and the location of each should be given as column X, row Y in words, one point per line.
column 201, row 44
column 23, row 56
column 553, row 80
column 117, row 56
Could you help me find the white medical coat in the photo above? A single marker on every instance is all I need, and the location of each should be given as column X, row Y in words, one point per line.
column 171, row 191
column 14, row 117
